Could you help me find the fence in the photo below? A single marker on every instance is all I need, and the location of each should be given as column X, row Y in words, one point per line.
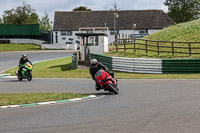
column 135, row 65
column 106, row 60
column 153, row 66
column 181, row 65
column 75, row 60
column 158, row 46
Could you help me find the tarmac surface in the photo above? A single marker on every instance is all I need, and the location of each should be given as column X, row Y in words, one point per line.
column 142, row 106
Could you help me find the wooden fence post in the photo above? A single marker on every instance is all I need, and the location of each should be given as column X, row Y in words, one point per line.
column 134, row 45
column 158, row 47
column 172, row 48
column 116, row 44
column 123, row 41
column 190, row 51
column 146, row 47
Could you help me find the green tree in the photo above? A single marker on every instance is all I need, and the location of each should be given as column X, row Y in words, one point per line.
column 9, row 16
column 183, row 10
column 21, row 15
column 45, row 23
column 1, row 22
column 81, row 8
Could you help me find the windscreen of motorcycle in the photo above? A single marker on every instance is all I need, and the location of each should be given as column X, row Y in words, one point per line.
column 28, row 66
column 100, row 74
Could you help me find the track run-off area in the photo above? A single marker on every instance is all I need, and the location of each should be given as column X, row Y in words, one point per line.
column 142, row 105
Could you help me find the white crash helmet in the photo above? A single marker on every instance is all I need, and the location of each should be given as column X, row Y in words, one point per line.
column 93, row 63
column 24, row 56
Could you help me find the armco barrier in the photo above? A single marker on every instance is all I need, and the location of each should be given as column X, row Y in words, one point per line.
column 181, row 65
column 75, row 60
column 137, row 65
column 105, row 60
column 142, row 65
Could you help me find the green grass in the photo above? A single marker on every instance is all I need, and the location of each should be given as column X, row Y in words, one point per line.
column 28, row 98
column 184, row 32
column 61, row 68
column 151, row 55
column 18, row 47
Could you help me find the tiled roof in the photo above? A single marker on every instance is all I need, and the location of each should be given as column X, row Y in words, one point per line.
column 144, row 19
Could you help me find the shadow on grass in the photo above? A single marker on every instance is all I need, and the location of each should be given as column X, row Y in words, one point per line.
column 65, row 67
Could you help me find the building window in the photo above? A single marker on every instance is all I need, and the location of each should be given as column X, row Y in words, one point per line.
column 69, row 33
column 89, row 31
column 63, row 33
column 142, row 32
column 112, row 32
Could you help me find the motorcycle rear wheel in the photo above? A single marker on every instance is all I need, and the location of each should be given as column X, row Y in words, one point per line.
column 112, row 88
column 18, row 76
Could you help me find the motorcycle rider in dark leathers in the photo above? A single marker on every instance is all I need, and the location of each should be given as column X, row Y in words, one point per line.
column 94, row 68
column 22, row 61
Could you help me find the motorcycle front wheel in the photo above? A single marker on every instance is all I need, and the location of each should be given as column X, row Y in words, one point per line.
column 112, row 88
column 29, row 75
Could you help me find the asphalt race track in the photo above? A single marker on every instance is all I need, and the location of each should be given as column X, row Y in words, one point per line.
column 142, row 106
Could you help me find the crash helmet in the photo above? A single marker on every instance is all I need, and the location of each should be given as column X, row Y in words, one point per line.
column 93, row 63
column 24, row 56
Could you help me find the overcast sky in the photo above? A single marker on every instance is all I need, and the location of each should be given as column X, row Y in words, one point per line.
column 68, row 5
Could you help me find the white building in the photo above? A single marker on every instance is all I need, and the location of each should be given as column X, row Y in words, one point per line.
column 127, row 23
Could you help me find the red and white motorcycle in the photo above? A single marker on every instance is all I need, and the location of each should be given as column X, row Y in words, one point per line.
column 106, row 81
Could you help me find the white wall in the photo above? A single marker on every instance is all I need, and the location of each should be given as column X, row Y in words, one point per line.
column 25, row 41
column 61, row 39
column 102, row 47
column 128, row 32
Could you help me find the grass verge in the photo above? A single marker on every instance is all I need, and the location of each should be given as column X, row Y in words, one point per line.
column 58, row 68
column 28, row 98
column 61, row 68
column 18, row 47
column 150, row 55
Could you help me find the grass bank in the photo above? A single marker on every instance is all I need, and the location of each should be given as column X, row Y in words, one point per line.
column 61, row 68
column 28, row 98
column 18, row 47
column 184, row 32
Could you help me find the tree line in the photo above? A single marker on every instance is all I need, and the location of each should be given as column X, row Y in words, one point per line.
column 25, row 15
column 183, row 10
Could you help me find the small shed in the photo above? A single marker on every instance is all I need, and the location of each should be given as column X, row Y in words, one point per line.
column 98, row 45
